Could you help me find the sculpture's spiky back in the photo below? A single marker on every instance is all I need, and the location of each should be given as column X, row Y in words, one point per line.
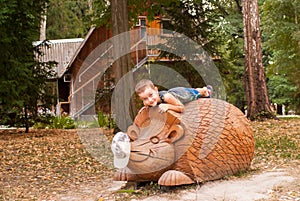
column 224, row 143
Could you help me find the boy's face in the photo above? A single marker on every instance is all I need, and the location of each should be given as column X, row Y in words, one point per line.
column 150, row 96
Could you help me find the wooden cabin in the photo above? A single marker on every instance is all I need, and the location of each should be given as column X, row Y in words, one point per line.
column 61, row 51
column 80, row 62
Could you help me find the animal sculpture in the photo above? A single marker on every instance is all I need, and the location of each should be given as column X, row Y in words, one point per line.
column 209, row 140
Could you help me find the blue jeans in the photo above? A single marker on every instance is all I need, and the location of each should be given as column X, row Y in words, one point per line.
column 183, row 94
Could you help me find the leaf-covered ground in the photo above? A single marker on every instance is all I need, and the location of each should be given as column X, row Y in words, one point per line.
column 278, row 147
column 46, row 163
column 54, row 165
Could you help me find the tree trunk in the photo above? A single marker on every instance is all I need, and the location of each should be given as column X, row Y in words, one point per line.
column 122, row 64
column 43, row 26
column 26, row 119
column 258, row 104
column 90, row 5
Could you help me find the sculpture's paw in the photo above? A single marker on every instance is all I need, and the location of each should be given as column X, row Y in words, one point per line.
column 174, row 178
column 120, row 176
column 123, row 175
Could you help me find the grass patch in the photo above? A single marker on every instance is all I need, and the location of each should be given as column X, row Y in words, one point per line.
column 279, row 139
column 290, row 117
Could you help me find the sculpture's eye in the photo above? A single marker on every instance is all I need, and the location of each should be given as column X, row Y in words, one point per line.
column 154, row 139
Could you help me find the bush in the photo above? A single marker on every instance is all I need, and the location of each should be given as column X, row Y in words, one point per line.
column 56, row 122
column 61, row 122
column 43, row 121
column 106, row 121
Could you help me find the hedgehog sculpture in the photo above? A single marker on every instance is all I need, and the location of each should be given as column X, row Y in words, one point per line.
column 209, row 140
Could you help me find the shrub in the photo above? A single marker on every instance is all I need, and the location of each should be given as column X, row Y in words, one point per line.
column 106, row 121
column 61, row 122
column 57, row 122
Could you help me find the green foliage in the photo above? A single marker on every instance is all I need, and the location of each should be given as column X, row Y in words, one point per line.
column 67, row 19
column 54, row 122
column 100, row 13
column 61, row 122
column 106, row 121
column 216, row 25
column 14, row 118
column 187, row 17
column 22, row 79
column 280, row 90
column 102, row 120
column 87, row 124
column 281, row 34
column 220, row 34
column 44, row 121
column 229, row 30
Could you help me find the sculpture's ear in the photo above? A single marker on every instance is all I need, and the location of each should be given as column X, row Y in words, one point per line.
column 173, row 117
column 142, row 118
column 133, row 132
column 175, row 133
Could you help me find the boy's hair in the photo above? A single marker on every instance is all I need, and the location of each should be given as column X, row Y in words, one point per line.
column 142, row 84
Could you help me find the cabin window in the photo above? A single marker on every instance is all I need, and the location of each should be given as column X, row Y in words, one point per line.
column 166, row 26
column 142, row 24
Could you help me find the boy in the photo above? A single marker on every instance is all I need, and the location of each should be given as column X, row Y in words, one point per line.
column 173, row 99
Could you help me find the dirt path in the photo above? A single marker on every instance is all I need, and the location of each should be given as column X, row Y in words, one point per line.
column 276, row 184
column 256, row 187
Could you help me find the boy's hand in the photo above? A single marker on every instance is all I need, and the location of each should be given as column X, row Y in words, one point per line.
column 163, row 107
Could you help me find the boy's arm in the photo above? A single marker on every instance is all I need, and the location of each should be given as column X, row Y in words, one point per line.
column 171, row 103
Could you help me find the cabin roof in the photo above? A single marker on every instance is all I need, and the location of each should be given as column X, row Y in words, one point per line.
column 84, row 41
column 61, row 51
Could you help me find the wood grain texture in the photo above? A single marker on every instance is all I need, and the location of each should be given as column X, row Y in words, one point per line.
column 209, row 140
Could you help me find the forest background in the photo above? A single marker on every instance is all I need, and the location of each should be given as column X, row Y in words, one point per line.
column 216, row 25
column 47, row 163
column 221, row 34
